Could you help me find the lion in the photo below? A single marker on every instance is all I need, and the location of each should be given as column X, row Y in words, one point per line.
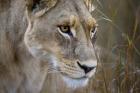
column 38, row 37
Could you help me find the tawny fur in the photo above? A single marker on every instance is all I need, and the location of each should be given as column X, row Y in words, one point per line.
column 20, row 70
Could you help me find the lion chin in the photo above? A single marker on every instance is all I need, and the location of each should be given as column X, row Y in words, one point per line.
column 75, row 83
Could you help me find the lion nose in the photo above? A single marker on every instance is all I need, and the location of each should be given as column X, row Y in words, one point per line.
column 85, row 68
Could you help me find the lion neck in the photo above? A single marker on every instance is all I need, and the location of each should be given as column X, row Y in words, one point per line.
column 17, row 66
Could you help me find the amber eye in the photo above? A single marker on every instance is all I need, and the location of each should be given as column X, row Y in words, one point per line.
column 65, row 29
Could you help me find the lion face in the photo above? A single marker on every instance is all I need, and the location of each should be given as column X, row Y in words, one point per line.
column 62, row 36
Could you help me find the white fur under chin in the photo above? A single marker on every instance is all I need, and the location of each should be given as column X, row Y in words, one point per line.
column 75, row 83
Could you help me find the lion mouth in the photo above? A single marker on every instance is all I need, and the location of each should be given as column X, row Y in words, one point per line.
column 74, row 83
column 78, row 78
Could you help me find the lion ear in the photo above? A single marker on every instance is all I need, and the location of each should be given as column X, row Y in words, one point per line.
column 30, row 3
column 39, row 7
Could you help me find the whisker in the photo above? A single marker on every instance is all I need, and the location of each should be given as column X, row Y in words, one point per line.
column 51, row 72
column 52, row 69
column 104, row 18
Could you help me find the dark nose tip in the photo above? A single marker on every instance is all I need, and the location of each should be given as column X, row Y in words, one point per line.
column 85, row 68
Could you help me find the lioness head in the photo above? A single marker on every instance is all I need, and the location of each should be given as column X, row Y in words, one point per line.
column 60, row 32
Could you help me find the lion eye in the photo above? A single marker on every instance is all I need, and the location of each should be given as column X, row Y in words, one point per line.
column 93, row 33
column 66, row 30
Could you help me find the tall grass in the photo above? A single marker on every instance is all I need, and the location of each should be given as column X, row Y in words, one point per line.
column 120, row 69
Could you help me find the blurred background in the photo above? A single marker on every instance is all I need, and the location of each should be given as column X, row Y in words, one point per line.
column 119, row 58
